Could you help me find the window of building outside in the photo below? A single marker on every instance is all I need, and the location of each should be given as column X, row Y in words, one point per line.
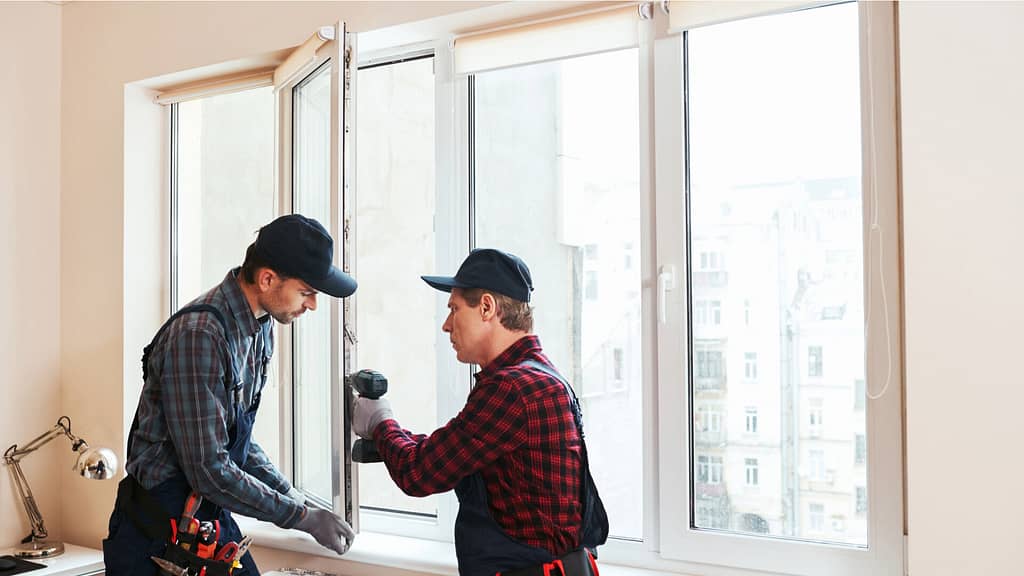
column 750, row 467
column 817, row 517
column 860, row 449
column 751, row 420
column 715, row 312
column 541, row 137
column 816, row 458
column 815, row 417
column 700, row 312
column 862, row 499
column 750, row 365
column 708, row 427
column 858, row 394
column 814, row 362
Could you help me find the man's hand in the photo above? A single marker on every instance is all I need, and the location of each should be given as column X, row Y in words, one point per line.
column 367, row 413
column 329, row 530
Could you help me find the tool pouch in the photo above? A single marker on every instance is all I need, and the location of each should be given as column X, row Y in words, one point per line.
column 195, row 564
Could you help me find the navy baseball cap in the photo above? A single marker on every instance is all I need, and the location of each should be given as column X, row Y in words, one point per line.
column 489, row 269
column 301, row 247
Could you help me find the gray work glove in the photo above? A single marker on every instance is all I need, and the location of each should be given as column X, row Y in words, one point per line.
column 296, row 495
column 367, row 413
column 328, row 530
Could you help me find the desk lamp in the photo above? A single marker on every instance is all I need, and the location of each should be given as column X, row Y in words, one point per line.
column 93, row 463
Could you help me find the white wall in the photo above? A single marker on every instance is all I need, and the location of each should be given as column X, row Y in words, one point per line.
column 30, row 276
column 963, row 201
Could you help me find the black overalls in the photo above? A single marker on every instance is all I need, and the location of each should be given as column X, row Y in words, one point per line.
column 140, row 523
column 483, row 548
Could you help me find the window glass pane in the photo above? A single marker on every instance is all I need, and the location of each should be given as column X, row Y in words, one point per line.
column 557, row 184
column 225, row 175
column 311, row 142
column 395, row 245
column 776, row 226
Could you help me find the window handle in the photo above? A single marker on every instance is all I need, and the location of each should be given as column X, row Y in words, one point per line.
column 666, row 282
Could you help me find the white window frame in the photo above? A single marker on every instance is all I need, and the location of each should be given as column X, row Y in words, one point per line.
column 669, row 542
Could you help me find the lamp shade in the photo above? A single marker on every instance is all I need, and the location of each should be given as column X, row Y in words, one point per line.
column 96, row 463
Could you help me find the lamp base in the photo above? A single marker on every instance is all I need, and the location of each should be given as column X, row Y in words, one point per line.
column 39, row 549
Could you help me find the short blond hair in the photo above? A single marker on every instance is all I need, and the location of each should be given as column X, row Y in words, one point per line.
column 513, row 314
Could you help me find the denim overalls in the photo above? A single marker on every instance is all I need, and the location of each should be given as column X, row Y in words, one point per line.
column 482, row 546
column 140, row 523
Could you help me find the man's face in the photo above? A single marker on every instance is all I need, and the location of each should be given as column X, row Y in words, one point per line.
column 466, row 329
column 286, row 300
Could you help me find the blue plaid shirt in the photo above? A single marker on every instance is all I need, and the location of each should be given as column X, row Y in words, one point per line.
column 185, row 411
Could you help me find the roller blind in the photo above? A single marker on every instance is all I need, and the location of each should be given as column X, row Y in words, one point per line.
column 216, row 86
column 687, row 14
column 302, row 56
column 277, row 73
column 563, row 36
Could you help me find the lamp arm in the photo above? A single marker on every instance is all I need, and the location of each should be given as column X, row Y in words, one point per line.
column 62, row 428
column 35, row 517
column 14, row 454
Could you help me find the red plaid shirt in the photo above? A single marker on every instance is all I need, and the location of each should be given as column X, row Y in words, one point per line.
column 517, row 430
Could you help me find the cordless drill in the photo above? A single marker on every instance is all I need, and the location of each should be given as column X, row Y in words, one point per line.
column 369, row 384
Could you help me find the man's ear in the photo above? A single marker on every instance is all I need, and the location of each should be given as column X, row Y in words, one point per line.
column 488, row 306
column 265, row 278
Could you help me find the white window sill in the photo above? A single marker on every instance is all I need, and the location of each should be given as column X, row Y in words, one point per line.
column 375, row 548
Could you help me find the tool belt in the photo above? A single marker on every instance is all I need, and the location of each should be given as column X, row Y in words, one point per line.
column 150, row 518
column 577, row 563
column 195, row 565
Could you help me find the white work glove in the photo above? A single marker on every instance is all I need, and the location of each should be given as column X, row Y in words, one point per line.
column 367, row 413
column 329, row 530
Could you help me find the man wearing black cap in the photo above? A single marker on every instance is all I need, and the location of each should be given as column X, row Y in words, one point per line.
column 204, row 372
column 515, row 453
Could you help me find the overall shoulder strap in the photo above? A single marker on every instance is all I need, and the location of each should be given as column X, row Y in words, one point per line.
column 594, row 519
column 186, row 310
column 577, row 412
column 229, row 379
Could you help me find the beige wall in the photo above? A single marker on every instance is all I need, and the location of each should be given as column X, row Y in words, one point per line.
column 106, row 46
column 963, row 128
column 64, row 340
column 30, row 275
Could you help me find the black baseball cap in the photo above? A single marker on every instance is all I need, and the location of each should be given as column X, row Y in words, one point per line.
column 489, row 269
column 301, row 247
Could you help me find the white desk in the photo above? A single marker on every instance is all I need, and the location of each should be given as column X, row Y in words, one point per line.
column 75, row 561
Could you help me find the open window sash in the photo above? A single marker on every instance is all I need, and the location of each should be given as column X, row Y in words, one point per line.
column 313, row 94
